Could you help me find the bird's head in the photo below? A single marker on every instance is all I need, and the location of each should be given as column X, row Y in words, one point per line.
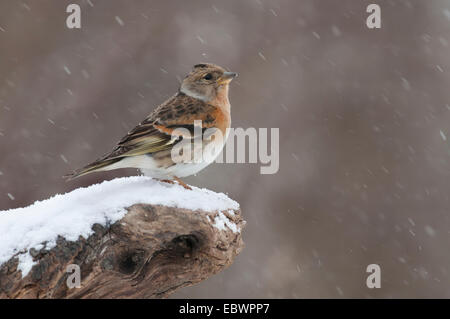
column 207, row 82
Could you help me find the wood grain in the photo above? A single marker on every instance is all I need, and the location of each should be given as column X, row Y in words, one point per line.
column 149, row 253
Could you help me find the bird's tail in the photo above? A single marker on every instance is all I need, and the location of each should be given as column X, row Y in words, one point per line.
column 93, row 167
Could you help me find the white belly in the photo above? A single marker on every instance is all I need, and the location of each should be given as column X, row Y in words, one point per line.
column 149, row 167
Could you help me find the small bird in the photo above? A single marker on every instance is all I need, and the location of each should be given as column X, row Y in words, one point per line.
column 203, row 96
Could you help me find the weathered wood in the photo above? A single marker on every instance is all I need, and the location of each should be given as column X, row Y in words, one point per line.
column 149, row 253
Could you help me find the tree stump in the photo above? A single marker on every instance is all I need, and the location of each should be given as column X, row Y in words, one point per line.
column 150, row 253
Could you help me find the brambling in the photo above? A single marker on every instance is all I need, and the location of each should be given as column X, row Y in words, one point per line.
column 200, row 105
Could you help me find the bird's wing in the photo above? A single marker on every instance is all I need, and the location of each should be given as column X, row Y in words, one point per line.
column 160, row 130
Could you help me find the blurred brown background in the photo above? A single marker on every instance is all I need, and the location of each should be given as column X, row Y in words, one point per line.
column 363, row 115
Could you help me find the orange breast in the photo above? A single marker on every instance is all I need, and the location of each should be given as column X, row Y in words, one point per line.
column 222, row 119
column 222, row 111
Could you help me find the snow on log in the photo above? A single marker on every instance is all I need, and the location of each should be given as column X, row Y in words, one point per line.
column 130, row 237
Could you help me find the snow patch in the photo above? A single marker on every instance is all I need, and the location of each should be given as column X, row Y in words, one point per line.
column 25, row 263
column 221, row 221
column 72, row 215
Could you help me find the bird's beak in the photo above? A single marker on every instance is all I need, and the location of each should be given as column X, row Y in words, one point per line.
column 226, row 78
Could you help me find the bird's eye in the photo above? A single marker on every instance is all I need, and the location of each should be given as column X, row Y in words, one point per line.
column 208, row 76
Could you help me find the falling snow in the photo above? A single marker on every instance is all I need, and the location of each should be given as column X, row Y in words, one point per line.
column 364, row 138
column 85, row 74
column 199, row 38
column 430, row 231
column 262, row 56
column 447, row 14
column 63, row 158
column 336, row 32
column 406, row 85
column 119, row 21
column 67, row 70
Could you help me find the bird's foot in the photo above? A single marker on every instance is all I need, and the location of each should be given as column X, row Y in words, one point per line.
column 168, row 181
column 182, row 183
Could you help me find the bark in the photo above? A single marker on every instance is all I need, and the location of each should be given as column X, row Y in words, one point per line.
column 149, row 253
